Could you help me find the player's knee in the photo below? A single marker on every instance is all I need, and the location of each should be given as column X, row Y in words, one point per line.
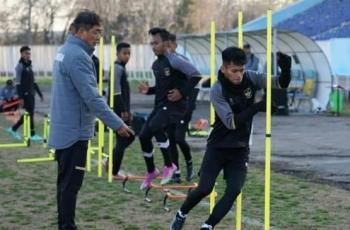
column 233, row 191
column 204, row 191
column 163, row 144
column 180, row 141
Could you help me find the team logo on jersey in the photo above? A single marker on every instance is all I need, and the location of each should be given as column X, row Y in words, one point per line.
column 167, row 72
column 231, row 101
column 248, row 93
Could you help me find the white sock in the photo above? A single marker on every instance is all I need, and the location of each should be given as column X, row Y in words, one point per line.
column 207, row 226
column 181, row 214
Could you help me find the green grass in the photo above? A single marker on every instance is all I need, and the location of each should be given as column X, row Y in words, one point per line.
column 47, row 81
column 42, row 80
column 27, row 197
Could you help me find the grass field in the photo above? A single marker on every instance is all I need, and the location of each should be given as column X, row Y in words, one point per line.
column 42, row 81
column 27, row 197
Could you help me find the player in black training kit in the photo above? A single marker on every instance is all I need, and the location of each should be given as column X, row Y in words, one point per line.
column 121, row 105
column 228, row 144
column 172, row 85
column 177, row 132
column 26, row 89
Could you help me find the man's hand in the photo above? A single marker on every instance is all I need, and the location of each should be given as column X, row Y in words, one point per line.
column 125, row 131
column 143, row 87
column 174, row 95
column 284, row 61
column 42, row 98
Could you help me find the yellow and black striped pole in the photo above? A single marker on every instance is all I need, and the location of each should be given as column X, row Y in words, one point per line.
column 212, row 112
column 268, row 120
column 239, row 197
column 111, row 104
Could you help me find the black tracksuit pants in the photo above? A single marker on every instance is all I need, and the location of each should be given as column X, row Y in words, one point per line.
column 119, row 150
column 157, row 123
column 71, row 167
column 177, row 136
column 234, row 163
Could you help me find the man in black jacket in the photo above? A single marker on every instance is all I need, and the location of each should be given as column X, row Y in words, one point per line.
column 228, row 144
column 26, row 88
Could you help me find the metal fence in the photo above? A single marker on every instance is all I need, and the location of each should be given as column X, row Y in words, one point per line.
column 139, row 65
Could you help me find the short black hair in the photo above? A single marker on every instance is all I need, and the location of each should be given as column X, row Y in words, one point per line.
column 246, row 46
column 235, row 55
column 86, row 19
column 72, row 29
column 172, row 37
column 163, row 33
column 24, row 48
column 122, row 45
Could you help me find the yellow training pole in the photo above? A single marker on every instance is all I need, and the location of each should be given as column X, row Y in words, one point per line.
column 212, row 80
column 239, row 197
column 14, row 145
column 36, row 160
column 268, row 121
column 101, row 127
column 111, row 104
column 240, row 29
column 26, row 127
column 45, row 131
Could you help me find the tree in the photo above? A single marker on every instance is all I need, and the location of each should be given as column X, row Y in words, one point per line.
column 26, row 19
column 182, row 21
column 32, row 21
column 50, row 9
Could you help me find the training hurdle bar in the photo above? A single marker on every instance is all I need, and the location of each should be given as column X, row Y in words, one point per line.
column 51, row 154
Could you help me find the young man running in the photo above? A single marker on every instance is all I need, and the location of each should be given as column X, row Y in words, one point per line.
column 228, row 144
column 171, row 89
column 26, row 89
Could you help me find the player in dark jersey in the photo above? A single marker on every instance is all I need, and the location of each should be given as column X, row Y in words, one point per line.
column 228, row 144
